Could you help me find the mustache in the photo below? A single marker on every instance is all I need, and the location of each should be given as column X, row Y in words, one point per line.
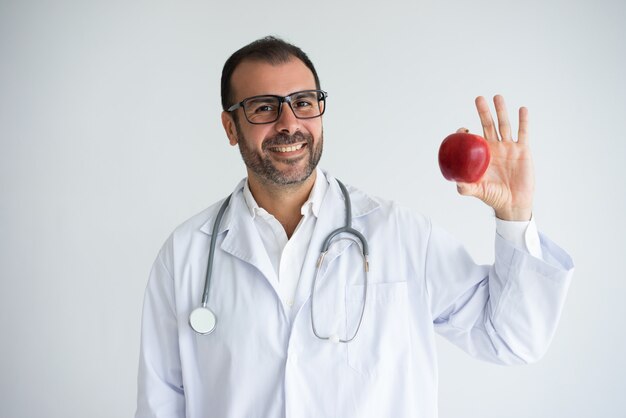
column 285, row 139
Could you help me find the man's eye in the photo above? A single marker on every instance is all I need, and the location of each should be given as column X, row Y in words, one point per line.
column 264, row 108
column 303, row 103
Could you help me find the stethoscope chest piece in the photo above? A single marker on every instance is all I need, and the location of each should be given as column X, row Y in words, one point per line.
column 202, row 320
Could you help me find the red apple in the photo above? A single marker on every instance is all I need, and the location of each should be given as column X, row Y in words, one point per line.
column 464, row 157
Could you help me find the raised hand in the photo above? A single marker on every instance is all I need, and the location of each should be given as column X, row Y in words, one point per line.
column 508, row 184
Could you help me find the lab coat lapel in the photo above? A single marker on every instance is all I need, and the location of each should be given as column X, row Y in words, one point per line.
column 242, row 237
column 331, row 216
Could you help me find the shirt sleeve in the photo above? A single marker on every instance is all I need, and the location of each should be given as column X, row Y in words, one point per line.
column 521, row 234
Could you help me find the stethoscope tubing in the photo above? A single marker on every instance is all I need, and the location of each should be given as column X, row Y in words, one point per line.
column 209, row 269
column 204, row 311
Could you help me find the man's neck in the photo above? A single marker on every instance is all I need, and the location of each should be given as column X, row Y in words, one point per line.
column 284, row 202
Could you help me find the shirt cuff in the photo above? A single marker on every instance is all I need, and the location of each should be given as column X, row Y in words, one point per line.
column 521, row 234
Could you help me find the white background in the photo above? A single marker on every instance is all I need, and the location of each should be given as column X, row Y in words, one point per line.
column 110, row 137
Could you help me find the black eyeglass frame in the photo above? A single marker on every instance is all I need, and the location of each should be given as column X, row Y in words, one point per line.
column 322, row 95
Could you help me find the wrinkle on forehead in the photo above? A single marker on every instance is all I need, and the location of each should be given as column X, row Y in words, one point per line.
column 256, row 77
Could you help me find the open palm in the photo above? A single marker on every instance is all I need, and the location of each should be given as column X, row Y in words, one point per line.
column 508, row 184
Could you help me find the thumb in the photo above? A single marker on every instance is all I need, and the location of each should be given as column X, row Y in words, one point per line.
column 466, row 189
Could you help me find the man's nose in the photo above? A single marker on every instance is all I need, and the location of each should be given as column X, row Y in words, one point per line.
column 287, row 122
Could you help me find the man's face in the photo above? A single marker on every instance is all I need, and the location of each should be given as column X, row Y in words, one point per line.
column 288, row 150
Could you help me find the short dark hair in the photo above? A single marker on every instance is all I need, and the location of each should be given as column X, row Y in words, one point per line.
column 269, row 49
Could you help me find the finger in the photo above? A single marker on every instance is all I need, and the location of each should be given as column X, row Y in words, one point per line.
column 466, row 189
column 522, row 135
column 489, row 129
column 462, row 130
column 503, row 118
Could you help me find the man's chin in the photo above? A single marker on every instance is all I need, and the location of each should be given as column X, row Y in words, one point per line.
column 293, row 178
column 288, row 175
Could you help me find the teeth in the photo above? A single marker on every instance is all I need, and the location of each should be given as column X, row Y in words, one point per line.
column 289, row 148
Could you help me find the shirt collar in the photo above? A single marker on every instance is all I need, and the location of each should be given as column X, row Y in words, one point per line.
column 311, row 206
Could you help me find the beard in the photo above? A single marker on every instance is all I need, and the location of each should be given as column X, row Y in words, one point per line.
column 297, row 170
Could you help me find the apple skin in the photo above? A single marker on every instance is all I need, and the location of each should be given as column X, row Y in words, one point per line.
column 464, row 157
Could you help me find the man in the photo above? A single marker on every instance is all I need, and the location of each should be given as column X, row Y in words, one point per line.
column 297, row 335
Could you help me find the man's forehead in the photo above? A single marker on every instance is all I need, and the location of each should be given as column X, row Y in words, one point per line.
column 255, row 77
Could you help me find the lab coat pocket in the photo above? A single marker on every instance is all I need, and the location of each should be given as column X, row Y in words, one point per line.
column 382, row 345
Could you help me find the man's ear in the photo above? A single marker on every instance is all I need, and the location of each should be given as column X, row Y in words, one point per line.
column 229, row 127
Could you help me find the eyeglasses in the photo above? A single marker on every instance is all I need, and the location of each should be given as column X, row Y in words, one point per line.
column 306, row 104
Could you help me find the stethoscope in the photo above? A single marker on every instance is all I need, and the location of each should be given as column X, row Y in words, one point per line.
column 203, row 320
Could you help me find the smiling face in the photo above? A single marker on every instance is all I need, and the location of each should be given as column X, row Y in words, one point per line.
column 284, row 152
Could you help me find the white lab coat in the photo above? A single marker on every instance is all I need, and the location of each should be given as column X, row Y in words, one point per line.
column 263, row 359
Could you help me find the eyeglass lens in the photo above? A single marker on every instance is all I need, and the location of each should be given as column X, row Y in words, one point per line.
column 265, row 109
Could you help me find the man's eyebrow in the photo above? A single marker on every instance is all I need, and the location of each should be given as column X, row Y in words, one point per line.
column 300, row 94
column 260, row 99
